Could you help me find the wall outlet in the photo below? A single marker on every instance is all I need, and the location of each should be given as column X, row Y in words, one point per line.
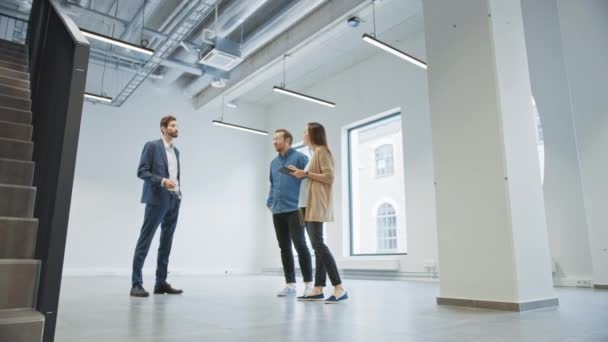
column 583, row 283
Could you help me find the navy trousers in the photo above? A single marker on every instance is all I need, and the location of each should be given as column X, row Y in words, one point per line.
column 165, row 215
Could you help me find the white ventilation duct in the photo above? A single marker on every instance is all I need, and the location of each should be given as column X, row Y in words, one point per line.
column 230, row 19
column 279, row 24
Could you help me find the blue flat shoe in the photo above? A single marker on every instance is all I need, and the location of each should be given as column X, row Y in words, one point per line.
column 333, row 300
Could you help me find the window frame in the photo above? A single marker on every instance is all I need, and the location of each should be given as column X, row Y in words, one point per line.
column 396, row 113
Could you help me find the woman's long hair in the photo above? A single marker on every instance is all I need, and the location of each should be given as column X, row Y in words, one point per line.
column 316, row 133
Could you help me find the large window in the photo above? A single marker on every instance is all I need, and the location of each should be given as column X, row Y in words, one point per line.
column 377, row 187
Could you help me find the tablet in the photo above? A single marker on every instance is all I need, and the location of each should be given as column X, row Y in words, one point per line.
column 285, row 170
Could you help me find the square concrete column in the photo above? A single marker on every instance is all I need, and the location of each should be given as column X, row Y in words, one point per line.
column 493, row 244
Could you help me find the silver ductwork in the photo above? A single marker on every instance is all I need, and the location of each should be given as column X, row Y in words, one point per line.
column 283, row 21
column 235, row 14
column 230, row 19
column 279, row 24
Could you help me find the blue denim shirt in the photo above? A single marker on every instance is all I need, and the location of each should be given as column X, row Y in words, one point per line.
column 285, row 189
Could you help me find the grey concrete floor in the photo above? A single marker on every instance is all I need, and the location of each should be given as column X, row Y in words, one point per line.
column 244, row 308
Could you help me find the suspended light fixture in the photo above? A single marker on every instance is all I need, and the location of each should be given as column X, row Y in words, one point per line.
column 222, row 123
column 240, row 128
column 283, row 90
column 114, row 41
column 371, row 39
column 99, row 98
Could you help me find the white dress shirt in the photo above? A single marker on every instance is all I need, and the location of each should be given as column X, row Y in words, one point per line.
column 172, row 163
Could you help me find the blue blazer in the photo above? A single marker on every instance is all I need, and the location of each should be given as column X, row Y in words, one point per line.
column 153, row 167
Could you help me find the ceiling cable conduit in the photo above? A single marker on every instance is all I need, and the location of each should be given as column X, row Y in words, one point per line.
column 196, row 11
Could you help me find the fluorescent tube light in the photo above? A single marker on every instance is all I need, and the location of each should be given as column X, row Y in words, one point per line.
column 303, row 96
column 240, row 128
column 97, row 97
column 117, row 42
column 369, row 39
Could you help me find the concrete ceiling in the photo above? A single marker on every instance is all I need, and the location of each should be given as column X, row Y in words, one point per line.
column 337, row 48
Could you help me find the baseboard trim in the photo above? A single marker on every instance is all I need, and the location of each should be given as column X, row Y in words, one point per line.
column 499, row 306
column 369, row 274
column 600, row 286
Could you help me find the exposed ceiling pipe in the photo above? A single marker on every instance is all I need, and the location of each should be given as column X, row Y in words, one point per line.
column 170, row 63
column 283, row 21
column 147, row 8
column 164, row 25
column 235, row 14
column 279, row 24
column 101, row 62
column 197, row 12
column 74, row 10
column 230, row 19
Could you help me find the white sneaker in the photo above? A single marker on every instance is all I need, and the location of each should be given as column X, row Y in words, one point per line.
column 287, row 292
column 308, row 291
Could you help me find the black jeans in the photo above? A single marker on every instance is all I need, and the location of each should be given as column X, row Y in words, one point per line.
column 289, row 229
column 324, row 261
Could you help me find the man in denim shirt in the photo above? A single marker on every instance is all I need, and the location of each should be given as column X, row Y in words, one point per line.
column 283, row 203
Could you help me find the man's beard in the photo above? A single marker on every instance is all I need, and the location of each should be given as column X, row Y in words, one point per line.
column 173, row 135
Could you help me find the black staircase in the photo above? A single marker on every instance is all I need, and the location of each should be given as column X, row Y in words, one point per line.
column 41, row 96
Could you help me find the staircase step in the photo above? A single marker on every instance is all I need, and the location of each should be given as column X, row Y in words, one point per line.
column 14, row 92
column 4, row 72
column 17, row 201
column 17, row 131
column 18, row 56
column 13, row 59
column 13, row 66
column 12, row 45
column 13, row 52
column 17, row 237
column 15, row 82
column 16, row 172
column 16, row 51
column 15, row 115
column 18, row 283
column 21, row 325
column 16, row 149
column 15, row 102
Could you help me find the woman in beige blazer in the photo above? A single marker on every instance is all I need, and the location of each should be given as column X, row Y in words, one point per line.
column 319, row 209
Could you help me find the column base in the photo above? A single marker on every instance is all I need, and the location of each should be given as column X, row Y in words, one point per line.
column 500, row 306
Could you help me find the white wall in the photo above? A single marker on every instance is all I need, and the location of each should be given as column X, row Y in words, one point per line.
column 563, row 192
column 583, row 26
column 377, row 85
column 223, row 202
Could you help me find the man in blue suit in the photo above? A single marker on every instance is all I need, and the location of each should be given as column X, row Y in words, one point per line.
column 159, row 168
